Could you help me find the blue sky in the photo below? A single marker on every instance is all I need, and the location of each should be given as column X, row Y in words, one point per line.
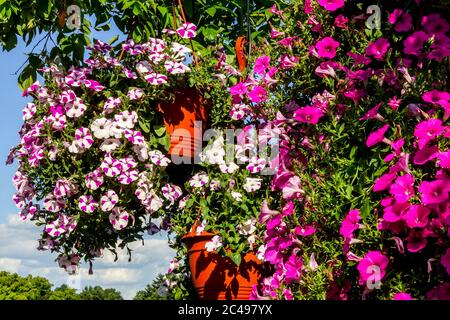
column 18, row 239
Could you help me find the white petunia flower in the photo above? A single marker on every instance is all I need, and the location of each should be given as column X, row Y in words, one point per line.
column 101, row 128
column 110, row 145
column 252, row 184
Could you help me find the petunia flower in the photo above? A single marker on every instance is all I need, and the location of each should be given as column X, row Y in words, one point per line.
column 434, row 192
column 417, row 216
column 402, row 296
column 415, row 241
column 425, row 154
column 156, row 79
column 413, row 45
column 158, row 158
column 94, row 179
column 257, row 94
column 395, row 212
column 261, row 65
column 171, row 192
column 199, row 180
column 293, row 268
column 441, row 98
column 187, row 30
column 331, row 5
column 247, row 227
column 350, row 224
column 326, row 48
column 372, row 268
column 128, row 176
column 252, row 184
column 445, row 261
column 236, row 196
column 101, row 128
column 341, row 21
column 134, row 136
column 238, row 89
column 427, row 131
column 214, row 244
column 87, row 204
column 378, row 48
column 304, row 231
column 384, row 182
column 256, row 164
column 109, row 200
column 377, row 136
column 111, row 167
column 403, row 188
column 308, row 114
column 401, row 20
column 435, row 24
column 83, row 138
column 119, row 218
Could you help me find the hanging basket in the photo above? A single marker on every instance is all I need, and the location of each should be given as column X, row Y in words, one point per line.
column 216, row 277
column 185, row 120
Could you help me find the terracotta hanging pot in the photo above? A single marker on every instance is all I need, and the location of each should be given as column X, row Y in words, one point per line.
column 216, row 277
column 185, row 120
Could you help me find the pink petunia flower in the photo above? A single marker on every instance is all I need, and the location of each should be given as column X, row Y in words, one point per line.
column 156, row 79
column 341, row 21
column 378, row 48
column 417, row 216
column 377, row 136
column 384, row 182
column 94, row 179
column 435, row 24
column 326, row 48
column 395, row 212
column 238, row 89
column 428, row 130
column 416, row 241
column 434, row 192
column 403, row 188
column 425, row 154
column 331, row 5
column 261, row 64
column 414, row 43
column 402, row 296
column 441, row 98
column 293, row 268
column 257, row 94
column 372, row 268
column 350, row 224
column 308, row 114
column 445, row 261
column 401, row 20
column 305, row 231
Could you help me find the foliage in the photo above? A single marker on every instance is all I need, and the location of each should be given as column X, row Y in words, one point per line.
column 15, row 287
column 219, row 21
column 98, row 293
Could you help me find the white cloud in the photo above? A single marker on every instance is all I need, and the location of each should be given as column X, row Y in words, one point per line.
column 18, row 241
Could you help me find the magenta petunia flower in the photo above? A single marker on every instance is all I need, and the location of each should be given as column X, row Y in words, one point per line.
column 293, row 267
column 377, row 136
column 378, row 48
column 434, row 192
column 416, row 241
column 257, row 94
column 402, row 296
column 425, row 154
column 417, row 216
column 427, row 130
column 238, row 89
column 326, row 48
column 373, row 113
column 384, row 182
column 437, row 97
column 305, row 231
column 401, row 20
column 414, row 43
column 350, row 224
column 435, row 24
column 396, row 212
column 261, row 64
column 445, row 260
column 308, row 114
column 444, row 159
column 341, row 21
column 403, row 188
column 331, row 5
column 372, row 267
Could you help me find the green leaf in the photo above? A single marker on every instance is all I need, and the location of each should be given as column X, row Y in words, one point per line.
column 211, row 11
column 113, row 39
column 26, row 77
column 236, row 258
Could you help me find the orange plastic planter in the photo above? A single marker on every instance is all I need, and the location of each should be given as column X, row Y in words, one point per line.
column 185, row 119
column 216, row 277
